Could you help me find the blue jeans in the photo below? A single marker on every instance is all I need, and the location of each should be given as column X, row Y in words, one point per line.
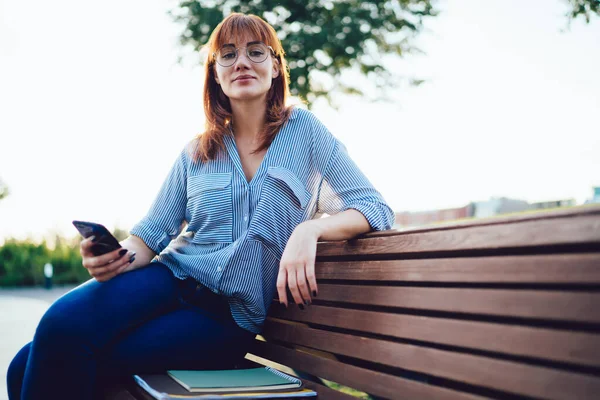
column 144, row 321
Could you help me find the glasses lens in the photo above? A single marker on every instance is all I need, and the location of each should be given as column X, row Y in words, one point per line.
column 257, row 52
column 226, row 56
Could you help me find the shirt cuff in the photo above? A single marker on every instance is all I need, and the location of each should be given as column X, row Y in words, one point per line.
column 379, row 216
column 154, row 237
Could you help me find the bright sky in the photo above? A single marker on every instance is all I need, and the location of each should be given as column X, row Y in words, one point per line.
column 94, row 109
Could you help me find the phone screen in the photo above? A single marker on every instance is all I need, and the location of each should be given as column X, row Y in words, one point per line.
column 105, row 241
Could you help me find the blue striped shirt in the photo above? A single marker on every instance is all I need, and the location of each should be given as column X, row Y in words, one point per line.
column 237, row 230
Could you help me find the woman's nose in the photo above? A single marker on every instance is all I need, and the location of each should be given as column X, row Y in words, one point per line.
column 242, row 61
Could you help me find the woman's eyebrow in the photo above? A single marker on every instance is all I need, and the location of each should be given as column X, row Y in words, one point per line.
column 247, row 44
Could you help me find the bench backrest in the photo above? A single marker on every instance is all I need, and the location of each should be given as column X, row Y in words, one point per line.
column 502, row 308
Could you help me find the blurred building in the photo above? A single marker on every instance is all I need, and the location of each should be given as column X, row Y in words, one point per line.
column 552, row 204
column 405, row 219
column 498, row 205
column 595, row 197
column 481, row 209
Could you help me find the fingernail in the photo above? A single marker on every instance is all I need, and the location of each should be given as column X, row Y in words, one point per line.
column 301, row 306
column 314, row 293
column 132, row 259
column 94, row 239
column 122, row 252
column 306, row 302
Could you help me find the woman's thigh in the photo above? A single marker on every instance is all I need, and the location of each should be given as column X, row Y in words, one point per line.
column 188, row 338
column 98, row 312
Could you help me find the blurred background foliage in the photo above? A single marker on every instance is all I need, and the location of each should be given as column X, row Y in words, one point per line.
column 584, row 9
column 22, row 261
column 324, row 39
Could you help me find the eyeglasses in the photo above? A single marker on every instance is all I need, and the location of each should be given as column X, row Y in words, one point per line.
column 256, row 52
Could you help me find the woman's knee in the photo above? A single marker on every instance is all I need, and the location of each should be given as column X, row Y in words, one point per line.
column 16, row 372
column 65, row 320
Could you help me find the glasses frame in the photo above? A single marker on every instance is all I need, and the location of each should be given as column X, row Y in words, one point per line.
column 237, row 53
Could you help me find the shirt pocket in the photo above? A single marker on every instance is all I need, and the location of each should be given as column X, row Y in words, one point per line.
column 281, row 207
column 210, row 208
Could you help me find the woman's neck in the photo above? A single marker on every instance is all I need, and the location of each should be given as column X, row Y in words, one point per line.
column 248, row 119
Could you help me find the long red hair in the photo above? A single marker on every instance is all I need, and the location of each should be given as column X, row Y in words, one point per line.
column 216, row 104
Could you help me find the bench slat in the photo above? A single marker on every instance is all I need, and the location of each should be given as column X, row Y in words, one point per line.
column 372, row 382
column 557, row 345
column 581, row 269
column 538, row 304
column 482, row 371
column 523, row 235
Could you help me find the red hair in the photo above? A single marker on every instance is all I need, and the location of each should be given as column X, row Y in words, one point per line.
column 216, row 104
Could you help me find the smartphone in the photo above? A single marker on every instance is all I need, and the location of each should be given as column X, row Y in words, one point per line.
column 105, row 241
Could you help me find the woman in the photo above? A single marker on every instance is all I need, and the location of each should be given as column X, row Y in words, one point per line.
column 249, row 189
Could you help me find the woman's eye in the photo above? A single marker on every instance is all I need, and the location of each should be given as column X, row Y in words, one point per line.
column 228, row 55
column 256, row 53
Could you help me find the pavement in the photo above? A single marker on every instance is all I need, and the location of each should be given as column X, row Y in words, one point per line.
column 20, row 312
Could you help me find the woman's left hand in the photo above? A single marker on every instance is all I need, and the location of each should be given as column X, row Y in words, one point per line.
column 297, row 266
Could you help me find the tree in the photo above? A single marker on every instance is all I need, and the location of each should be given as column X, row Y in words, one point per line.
column 3, row 190
column 585, row 8
column 323, row 39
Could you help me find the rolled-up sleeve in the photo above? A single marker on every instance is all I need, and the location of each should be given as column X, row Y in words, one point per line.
column 164, row 220
column 345, row 187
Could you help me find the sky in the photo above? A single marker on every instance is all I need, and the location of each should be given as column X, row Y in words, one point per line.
column 94, row 109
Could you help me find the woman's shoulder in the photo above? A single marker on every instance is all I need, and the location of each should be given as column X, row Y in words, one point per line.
column 302, row 115
column 306, row 121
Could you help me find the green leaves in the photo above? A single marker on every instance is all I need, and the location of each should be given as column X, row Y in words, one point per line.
column 584, row 8
column 22, row 262
column 321, row 36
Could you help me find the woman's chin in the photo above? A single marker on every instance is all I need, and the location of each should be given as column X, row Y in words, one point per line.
column 247, row 95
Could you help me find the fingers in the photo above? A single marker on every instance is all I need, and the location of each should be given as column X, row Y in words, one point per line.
column 293, row 285
column 108, row 265
column 282, row 286
column 303, row 286
column 85, row 247
column 301, row 281
column 311, row 278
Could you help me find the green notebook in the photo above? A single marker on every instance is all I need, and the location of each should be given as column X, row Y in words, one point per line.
column 235, row 380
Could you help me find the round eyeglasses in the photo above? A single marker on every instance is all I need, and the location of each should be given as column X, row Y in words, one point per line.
column 256, row 52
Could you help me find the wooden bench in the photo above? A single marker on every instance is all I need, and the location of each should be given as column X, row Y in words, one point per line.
column 506, row 307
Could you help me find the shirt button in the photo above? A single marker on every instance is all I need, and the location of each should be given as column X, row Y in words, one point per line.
column 219, row 269
column 245, row 218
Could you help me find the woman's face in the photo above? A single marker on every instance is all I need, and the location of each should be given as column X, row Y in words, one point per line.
column 245, row 79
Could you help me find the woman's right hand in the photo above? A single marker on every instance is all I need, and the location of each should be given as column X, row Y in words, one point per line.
column 106, row 266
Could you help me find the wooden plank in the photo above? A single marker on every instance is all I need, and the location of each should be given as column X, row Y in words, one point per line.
column 482, row 371
column 539, row 304
column 527, row 234
column 580, row 269
column 567, row 212
column 372, row 382
column 556, row 345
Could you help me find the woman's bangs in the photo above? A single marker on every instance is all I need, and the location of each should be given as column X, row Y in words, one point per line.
column 237, row 28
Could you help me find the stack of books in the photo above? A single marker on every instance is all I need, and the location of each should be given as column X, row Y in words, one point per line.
column 252, row 383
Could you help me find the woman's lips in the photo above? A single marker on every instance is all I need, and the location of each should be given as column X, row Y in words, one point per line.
column 243, row 78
